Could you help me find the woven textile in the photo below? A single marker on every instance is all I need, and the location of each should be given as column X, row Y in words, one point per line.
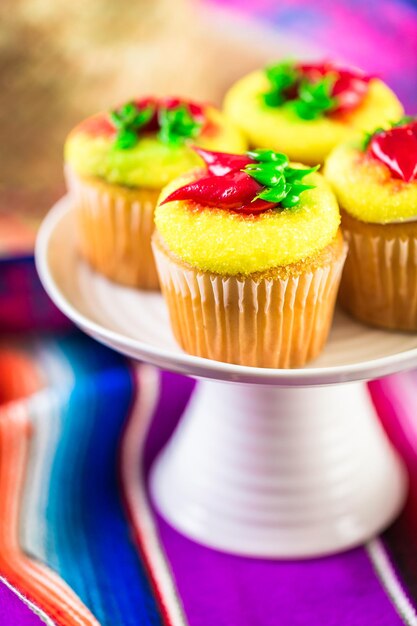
column 80, row 542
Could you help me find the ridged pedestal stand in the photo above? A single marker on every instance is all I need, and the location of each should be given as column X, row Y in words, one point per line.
column 279, row 472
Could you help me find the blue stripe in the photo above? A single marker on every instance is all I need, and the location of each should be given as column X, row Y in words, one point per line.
column 13, row 259
column 89, row 542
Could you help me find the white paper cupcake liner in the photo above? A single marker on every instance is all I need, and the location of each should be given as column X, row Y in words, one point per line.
column 115, row 229
column 379, row 281
column 264, row 323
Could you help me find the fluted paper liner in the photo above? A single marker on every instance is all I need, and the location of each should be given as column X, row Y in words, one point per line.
column 379, row 281
column 115, row 227
column 264, row 323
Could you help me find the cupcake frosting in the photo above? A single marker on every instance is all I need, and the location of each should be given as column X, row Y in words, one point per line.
column 308, row 109
column 146, row 143
column 243, row 228
column 376, row 180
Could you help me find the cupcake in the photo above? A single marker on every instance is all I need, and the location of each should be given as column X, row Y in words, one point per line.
column 116, row 166
column 376, row 184
column 305, row 110
column 249, row 254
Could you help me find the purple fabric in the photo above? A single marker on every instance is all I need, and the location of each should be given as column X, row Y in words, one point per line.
column 24, row 305
column 14, row 612
column 225, row 590
column 220, row 589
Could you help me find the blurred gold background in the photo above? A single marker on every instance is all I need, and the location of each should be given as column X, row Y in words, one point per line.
column 61, row 60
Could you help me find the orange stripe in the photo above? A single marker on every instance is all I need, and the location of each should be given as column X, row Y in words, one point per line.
column 19, row 377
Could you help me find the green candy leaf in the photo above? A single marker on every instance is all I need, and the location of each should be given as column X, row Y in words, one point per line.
column 282, row 76
column 282, row 184
column 273, row 194
column 142, row 118
column 300, row 187
column 126, row 139
column 295, row 173
column 268, row 156
column 308, row 99
column 128, row 112
column 266, row 176
column 406, row 119
column 128, row 120
column 177, row 125
column 115, row 118
column 314, row 99
column 290, row 201
column 273, row 99
column 367, row 137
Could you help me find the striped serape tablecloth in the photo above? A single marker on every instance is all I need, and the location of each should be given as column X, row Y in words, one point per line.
column 81, row 544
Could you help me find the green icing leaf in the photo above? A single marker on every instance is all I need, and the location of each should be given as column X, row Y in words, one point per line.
column 177, row 125
column 273, row 194
column 367, row 137
column 282, row 184
column 273, row 99
column 291, row 200
column 307, row 99
column 406, row 119
column 314, row 98
column 295, row 173
column 266, row 176
column 128, row 120
column 282, row 76
column 268, row 156
column 126, row 139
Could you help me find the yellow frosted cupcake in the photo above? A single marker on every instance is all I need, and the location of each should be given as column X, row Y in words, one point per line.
column 376, row 185
column 116, row 166
column 249, row 254
column 305, row 110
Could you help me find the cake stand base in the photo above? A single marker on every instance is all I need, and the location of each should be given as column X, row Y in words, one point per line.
column 279, row 472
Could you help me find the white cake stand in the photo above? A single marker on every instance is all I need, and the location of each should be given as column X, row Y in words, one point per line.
column 265, row 462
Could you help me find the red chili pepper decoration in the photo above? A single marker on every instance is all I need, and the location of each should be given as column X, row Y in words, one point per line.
column 226, row 186
column 312, row 90
column 397, row 149
column 234, row 191
column 249, row 183
column 349, row 88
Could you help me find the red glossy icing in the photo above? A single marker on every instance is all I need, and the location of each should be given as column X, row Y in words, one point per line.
column 397, row 149
column 220, row 163
column 349, row 88
column 101, row 124
column 98, row 125
column 225, row 187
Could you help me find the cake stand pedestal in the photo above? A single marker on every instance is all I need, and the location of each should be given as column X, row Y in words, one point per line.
column 264, row 462
column 270, row 471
